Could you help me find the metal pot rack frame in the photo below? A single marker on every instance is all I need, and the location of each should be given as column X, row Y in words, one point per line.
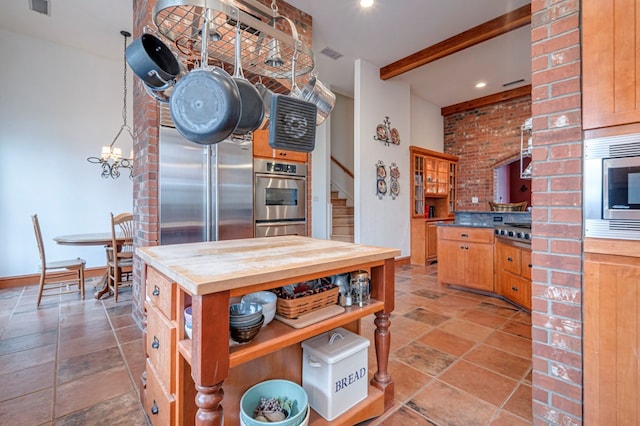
column 181, row 22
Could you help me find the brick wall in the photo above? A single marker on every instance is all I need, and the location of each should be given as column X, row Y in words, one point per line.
column 484, row 138
column 557, row 212
column 145, row 128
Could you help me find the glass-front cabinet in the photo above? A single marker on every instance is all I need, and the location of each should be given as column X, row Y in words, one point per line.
column 434, row 189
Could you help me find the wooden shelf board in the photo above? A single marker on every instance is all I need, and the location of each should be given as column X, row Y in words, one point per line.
column 372, row 406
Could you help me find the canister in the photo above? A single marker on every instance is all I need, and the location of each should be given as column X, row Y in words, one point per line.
column 334, row 371
column 360, row 288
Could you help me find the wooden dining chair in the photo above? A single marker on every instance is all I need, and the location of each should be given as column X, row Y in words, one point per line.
column 120, row 253
column 60, row 274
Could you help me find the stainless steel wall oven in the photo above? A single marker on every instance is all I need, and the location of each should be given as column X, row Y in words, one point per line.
column 280, row 198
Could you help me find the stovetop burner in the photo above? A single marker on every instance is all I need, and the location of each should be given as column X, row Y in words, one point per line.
column 514, row 231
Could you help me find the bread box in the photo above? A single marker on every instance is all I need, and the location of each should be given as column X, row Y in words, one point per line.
column 334, row 371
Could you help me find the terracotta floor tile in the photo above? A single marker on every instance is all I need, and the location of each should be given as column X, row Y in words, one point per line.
column 424, row 358
column 28, row 341
column 504, row 311
column 84, row 329
column 406, row 303
column 408, row 327
column 445, row 405
column 25, row 359
column 510, row 343
column 407, row 379
column 16, row 328
column 406, row 417
column 520, row 403
column 28, row 380
column 486, row 385
column 135, row 359
column 523, row 317
column 499, row 361
column 429, row 294
column 447, row 342
column 32, row 409
column 121, row 410
column 127, row 334
column 517, row 328
column 428, row 317
column 99, row 340
column 504, row 418
column 85, row 365
column 120, row 321
column 483, row 318
column 466, row 329
column 91, row 390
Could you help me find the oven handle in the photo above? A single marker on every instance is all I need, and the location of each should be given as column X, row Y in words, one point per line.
column 278, row 176
column 283, row 222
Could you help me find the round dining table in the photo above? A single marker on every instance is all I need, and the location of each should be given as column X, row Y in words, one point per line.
column 91, row 239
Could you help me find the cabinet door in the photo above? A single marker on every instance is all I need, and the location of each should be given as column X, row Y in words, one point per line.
column 508, row 258
column 611, row 340
column 431, row 242
column 261, row 148
column 516, row 289
column 451, row 262
column 479, row 266
column 610, row 56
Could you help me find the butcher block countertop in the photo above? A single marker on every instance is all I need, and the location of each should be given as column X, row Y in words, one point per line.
column 203, row 268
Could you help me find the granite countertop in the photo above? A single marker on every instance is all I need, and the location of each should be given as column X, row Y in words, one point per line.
column 203, row 268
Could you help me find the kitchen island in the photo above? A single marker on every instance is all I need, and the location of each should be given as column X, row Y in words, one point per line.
column 185, row 377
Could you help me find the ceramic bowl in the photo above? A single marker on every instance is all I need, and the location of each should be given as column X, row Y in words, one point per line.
column 274, row 389
column 188, row 317
column 268, row 301
column 246, row 334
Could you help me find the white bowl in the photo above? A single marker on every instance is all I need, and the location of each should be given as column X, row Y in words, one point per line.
column 267, row 300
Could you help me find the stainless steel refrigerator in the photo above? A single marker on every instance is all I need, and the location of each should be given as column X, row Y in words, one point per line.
column 205, row 191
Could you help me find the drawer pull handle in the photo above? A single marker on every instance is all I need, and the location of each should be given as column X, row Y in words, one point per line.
column 154, row 408
column 156, row 290
column 464, row 235
column 530, row 265
column 514, row 288
column 156, row 343
column 509, row 259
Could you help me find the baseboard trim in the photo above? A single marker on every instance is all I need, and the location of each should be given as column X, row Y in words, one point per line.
column 400, row 261
column 33, row 279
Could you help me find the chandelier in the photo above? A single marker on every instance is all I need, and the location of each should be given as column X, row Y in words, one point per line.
column 111, row 156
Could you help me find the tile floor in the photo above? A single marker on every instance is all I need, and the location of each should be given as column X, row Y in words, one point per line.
column 457, row 358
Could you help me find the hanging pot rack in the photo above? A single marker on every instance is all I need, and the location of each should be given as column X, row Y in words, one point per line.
column 180, row 21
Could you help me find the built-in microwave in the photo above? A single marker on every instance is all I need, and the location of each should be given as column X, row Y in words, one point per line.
column 612, row 187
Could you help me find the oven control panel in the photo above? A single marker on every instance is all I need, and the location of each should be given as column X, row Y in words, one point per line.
column 279, row 168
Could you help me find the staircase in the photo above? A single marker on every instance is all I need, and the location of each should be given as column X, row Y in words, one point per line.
column 342, row 219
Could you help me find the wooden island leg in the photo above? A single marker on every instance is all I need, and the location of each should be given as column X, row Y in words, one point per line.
column 382, row 378
column 208, row 401
column 210, row 356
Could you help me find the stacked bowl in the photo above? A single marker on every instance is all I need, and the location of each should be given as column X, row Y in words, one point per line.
column 245, row 321
column 267, row 300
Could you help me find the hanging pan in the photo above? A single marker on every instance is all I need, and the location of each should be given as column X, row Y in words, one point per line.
column 205, row 104
column 152, row 61
column 252, row 110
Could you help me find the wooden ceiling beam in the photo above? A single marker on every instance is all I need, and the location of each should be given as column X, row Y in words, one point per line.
column 483, row 32
column 486, row 100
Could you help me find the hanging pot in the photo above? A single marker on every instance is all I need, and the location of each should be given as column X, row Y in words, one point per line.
column 152, row 61
column 317, row 93
column 252, row 110
column 205, row 105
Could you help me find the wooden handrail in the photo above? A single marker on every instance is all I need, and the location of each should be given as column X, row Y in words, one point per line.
column 342, row 166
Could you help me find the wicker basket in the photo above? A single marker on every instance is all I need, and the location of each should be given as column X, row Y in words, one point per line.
column 293, row 308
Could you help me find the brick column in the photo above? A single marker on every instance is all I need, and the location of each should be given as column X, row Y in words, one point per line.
column 557, row 212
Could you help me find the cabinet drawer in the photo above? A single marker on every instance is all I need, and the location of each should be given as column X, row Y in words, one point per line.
column 509, row 258
column 160, row 345
column 158, row 405
column 478, row 235
column 525, row 268
column 160, row 291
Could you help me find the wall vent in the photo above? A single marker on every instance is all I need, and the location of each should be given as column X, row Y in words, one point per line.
column 327, row 51
column 40, row 6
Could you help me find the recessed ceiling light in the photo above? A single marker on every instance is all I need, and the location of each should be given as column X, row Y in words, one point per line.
column 480, row 84
column 366, row 3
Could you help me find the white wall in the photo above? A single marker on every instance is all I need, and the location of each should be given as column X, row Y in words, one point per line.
column 383, row 222
column 320, row 182
column 58, row 106
column 342, row 145
column 427, row 124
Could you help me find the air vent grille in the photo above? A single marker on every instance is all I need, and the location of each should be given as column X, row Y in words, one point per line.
column 624, row 150
column 40, row 6
column 327, row 51
column 293, row 124
column 624, row 225
column 613, row 146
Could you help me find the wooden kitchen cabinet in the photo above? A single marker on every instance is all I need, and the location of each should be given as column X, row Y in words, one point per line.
column 261, row 148
column 465, row 257
column 434, row 185
column 513, row 271
column 610, row 81
column 611, row 315
column 209, row 375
